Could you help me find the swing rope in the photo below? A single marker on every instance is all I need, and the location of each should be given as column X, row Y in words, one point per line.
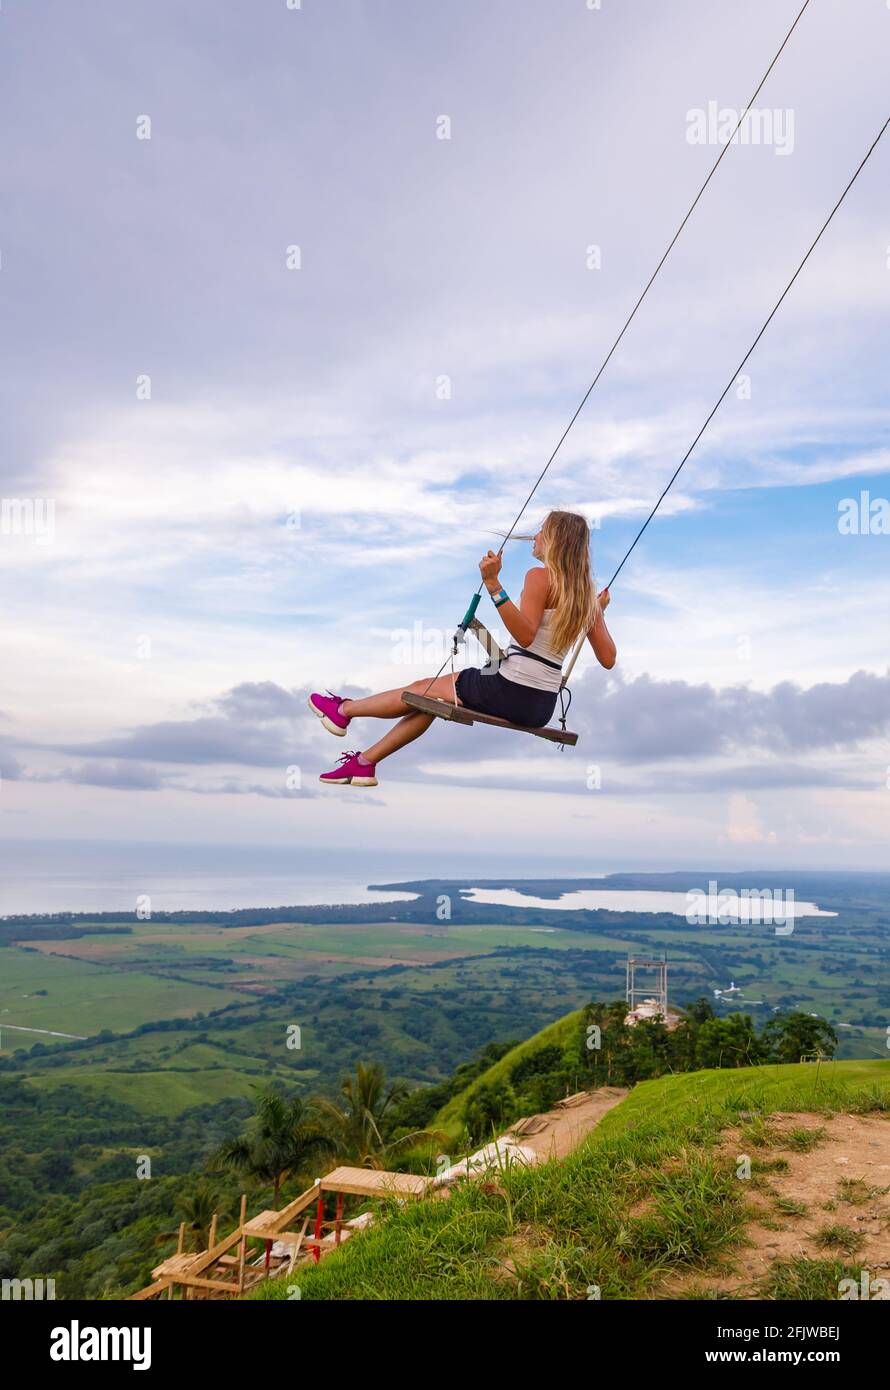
column 652, row 278
column 725, row 392
column 474, row 604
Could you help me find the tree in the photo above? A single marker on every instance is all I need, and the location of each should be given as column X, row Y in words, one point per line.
column 607, row 1055
column 649, row 1043
column 361, row 1127
column 729, row 1042
column 793, row 1036
column 281, row 1139
column 700, row 1010
column 196, row 1209
column 487, row 1108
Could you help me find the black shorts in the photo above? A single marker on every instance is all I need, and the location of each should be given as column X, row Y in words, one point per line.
column 493, row 694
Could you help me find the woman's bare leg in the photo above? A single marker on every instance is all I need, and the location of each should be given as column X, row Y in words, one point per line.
column 410, row 727
column 388, row 704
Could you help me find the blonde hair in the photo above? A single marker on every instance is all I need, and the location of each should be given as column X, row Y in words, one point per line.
column 565, row 550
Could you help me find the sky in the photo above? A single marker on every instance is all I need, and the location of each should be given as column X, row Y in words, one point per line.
column 296, row 302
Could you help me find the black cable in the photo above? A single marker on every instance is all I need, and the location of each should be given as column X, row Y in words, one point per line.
column 763, row 329
column 632, row 315
column 630, row 318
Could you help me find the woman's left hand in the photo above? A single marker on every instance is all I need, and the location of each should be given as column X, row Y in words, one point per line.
column 490, row 568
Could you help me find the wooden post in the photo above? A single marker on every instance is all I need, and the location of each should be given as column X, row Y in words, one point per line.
column 213, row 1228
column 319, row 1217
column 339, row 1220
column 242, row 1249
column 179, row 1248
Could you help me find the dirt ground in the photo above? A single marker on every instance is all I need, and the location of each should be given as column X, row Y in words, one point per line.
column 839, row 1187
column 565, row 1128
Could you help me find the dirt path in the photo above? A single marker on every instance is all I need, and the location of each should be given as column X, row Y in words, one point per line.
column 828, row 1201
column 566, row 1127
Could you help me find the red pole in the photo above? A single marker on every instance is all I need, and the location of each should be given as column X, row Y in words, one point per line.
column 319, row 1214
column 339, row 1215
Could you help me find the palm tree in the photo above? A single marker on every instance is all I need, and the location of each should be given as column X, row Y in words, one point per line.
column 281, row 1139
column 196, row 1209
column 359, row 1127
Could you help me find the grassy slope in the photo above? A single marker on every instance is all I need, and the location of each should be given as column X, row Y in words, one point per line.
column 670, row 1099
column 644, row 1197
column 554, row 1035
column 162, row 1092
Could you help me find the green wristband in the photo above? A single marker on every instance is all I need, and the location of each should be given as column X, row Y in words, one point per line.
column 500, row 598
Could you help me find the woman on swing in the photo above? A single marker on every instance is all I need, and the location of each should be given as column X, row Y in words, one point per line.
column 557, row 604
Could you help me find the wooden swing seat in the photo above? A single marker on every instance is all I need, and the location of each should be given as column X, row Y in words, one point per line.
column 459, row 714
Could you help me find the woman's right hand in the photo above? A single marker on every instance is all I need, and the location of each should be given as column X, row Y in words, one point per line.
column 490, row 569
column 604, row 600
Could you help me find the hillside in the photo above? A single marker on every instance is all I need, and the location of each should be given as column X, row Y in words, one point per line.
column 651, row 1205
column 561, row 1034
column 82, row 1114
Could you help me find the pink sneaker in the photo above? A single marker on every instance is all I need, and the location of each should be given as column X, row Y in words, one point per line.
column 351, row 771
column 327, row 708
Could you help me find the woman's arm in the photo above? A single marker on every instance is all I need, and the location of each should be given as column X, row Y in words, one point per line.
column 600, row 638
column 521, row 620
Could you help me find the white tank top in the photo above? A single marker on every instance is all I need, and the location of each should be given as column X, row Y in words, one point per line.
column 525, row 670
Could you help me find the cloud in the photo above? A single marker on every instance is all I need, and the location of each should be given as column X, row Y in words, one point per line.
column 647, row 720
column 205, row 740
column 743, row 824
column 570, row 774
column 295, row 487
column 771, row 776
column 123, row 775
column 10, row 767
column 233, row 786
column 261, row 701
column 641, row 723
column 252, row 724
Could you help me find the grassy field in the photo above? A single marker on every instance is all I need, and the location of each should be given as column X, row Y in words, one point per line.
column 288, row 950
column 155, row 1093
column 421, row 997
column 419, row 1023
column 81, row 998
column 646, row 1199
column 833, row 966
